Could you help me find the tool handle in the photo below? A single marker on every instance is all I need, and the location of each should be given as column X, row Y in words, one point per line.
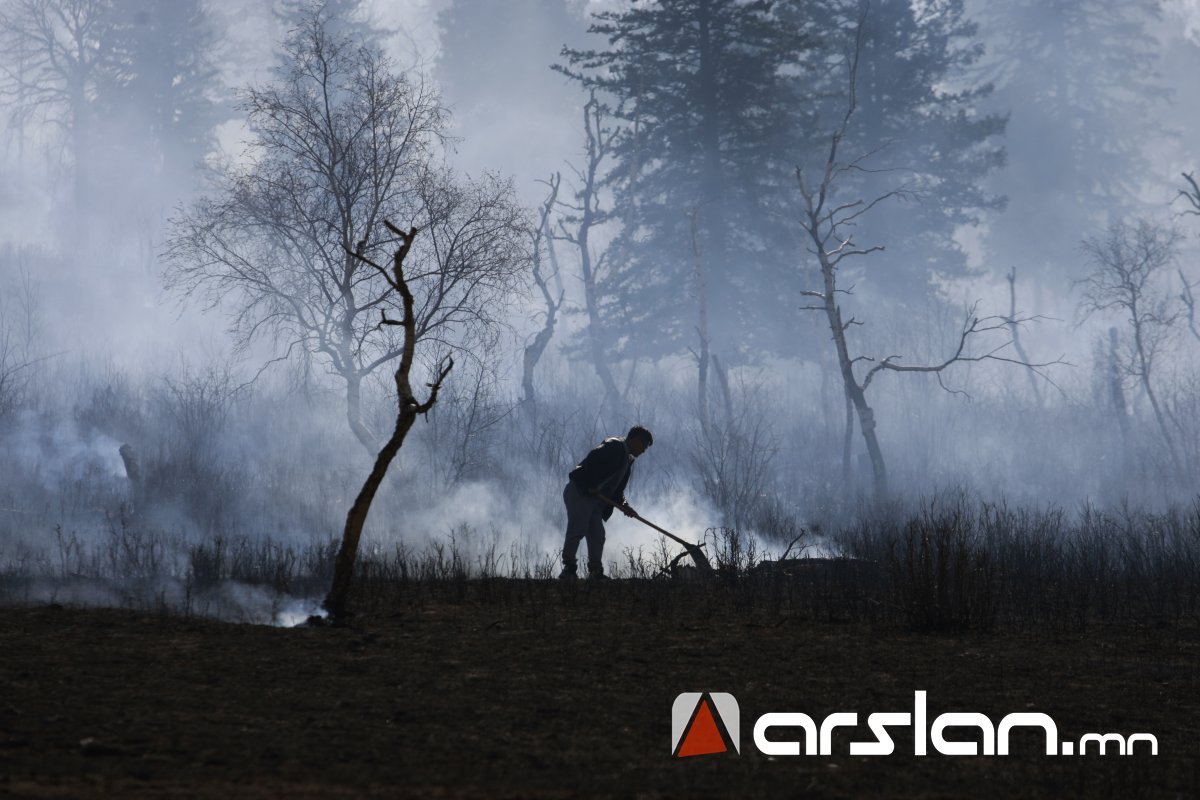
column 645, row 521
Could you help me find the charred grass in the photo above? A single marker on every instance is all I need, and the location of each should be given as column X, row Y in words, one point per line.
column 509, row 687
column 455, row 679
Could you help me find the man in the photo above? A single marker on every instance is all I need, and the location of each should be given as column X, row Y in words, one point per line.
column 603, row 473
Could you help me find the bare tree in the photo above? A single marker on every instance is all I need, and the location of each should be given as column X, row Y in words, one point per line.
column 57, row 57
column 542, row 244
column 1115, row 378
column 1015, row 332
column 577, row 226
column 1189, row 304
column 462, row 431
column 703, row 354
column 1191, row 194
column 342, row 141
column 1129, row 265
column 733, row 454
column 408, row 409
column 828, row 225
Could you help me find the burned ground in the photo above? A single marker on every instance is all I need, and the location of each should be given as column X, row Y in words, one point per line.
column 533, row 688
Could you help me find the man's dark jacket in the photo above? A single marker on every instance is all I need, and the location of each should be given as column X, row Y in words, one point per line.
column 602, row 464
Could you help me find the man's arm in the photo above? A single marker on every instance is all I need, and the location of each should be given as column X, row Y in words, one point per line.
column 620, row 500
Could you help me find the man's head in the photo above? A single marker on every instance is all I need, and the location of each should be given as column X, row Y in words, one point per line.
column 638, row 440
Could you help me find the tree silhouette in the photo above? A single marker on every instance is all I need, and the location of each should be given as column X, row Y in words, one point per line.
column 342, row 142
column 408, row 409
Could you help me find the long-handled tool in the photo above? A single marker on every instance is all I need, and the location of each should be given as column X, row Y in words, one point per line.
column 693, row 550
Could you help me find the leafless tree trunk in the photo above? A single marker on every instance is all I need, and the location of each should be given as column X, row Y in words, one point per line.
column 829, row 226
column 1191, row 194
column 822, row 224
column 1015, row 332
column 542, row 236
column 1189, row 304
column 703, row 355
column 848, row 442
column 409, row 408
column 1128, row 261
column 855, row 396
column 726, row 394
column 56, row 54
column 1116, row 385
column 366, row 437
column 344, row 139
column 712, row 187
column 586, row 214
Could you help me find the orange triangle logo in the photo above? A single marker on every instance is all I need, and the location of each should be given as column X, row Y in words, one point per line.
column 703, row 735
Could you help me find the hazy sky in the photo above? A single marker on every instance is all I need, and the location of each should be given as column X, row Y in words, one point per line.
column 511, row 130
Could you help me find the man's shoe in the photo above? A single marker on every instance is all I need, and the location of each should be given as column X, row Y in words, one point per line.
column 567, row 575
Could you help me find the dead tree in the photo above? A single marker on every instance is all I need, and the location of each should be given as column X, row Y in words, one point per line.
column 585, row 215
column 1189, row 304
column 542, row 240
column 1192, row 196
column 726, row 394
column 408, row 409
column 343, row 140
column 1116, row 386
column 828, row 226
column 57, row 55
column 703, row 355
column 1015, row 332
column 1128, row 262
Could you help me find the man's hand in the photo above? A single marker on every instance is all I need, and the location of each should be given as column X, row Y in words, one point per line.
column 627, row 510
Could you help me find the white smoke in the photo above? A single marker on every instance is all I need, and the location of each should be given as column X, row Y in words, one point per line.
column 56, row 452
column 229, row 601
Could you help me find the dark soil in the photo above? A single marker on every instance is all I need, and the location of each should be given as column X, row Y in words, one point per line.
column 519, row 689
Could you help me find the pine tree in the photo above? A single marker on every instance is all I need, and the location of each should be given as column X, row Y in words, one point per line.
column 918, row 126
column 130, row 87
column 712, row 125
column 722, row 100
column 169, row 101
column 57, row 67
